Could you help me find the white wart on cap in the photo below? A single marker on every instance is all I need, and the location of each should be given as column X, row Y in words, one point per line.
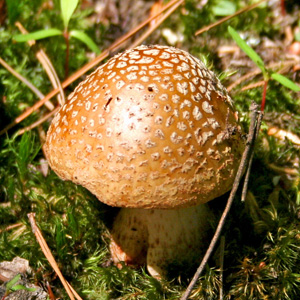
column 151, row 128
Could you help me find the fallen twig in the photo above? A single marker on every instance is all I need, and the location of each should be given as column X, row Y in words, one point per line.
column 38, row 122
column 222, row 250
column 284, row 134
column 244, row 161
column 47, row 65
column 47, row 252
column 10, row 227
column 157, row 24
column 284, row 170
column 247, row 8
column 283, row 65
column 49, row 105
column 247, row 176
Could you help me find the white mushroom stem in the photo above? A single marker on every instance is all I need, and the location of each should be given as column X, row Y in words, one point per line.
column 159, row 237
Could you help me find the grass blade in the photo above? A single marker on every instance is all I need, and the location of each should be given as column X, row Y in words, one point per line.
column 286, row 82
column 83, row 37
column 37, row 35
column 248, row 50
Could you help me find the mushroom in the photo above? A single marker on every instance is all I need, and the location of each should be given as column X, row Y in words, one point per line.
column 152, row 131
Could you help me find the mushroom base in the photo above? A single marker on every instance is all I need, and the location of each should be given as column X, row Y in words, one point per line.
column 160, row 238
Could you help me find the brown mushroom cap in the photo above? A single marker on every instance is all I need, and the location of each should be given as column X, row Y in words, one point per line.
column 151, row 128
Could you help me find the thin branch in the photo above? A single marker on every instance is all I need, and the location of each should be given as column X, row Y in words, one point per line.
column 222, row 250
column 26, row 82
column 244, row 161
column 64, row 84
column 157, row 24
column 50, row 292
column 49, row 256
column 52, row 75
column 242, row 79
column 253, row 85
column 10, row 227
column 247, row 8
column 282, row 135
column 247, row 176
column 116, row 45
column 284, row 170
column 38, row 122
column 284, row 65
column 47, row 65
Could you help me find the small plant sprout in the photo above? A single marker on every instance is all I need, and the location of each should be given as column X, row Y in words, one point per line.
column 12, row 286
column 267, row 74
column 67, row 9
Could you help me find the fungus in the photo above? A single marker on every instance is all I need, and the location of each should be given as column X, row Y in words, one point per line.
column 152, row 131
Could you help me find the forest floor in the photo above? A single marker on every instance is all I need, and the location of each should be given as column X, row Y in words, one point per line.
column 261, row 253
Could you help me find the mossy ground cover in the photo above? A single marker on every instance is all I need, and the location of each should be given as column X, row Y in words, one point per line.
column 262, row 234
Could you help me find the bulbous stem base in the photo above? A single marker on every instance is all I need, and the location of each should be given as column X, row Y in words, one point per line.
column 160, row 238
